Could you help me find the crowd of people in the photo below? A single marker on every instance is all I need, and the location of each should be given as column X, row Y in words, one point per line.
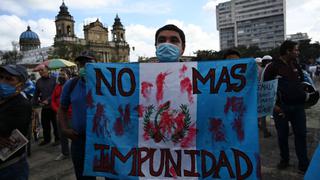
column 63, row 104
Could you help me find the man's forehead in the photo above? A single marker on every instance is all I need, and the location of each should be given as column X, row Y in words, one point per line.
column 169, row 33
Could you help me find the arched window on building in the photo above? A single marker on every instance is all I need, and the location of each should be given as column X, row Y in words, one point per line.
column 69, row 30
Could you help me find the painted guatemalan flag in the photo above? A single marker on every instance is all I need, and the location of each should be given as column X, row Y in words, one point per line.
column 191, row 120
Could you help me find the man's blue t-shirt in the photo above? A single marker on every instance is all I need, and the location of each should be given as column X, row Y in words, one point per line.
column 77, row 99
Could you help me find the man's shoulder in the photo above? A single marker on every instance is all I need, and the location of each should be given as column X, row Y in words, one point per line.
column 19, row 101
column 71, row 84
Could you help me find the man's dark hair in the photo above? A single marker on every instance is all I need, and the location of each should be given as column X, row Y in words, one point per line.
column 231, row 51
column 85, row 57
column 287, row 45
column 171, row 27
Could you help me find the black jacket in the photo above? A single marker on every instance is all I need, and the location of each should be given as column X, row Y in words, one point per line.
column 15, row 113
column 290, row 76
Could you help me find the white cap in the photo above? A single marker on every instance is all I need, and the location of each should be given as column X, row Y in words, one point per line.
column 267, row 57
column 258, row 60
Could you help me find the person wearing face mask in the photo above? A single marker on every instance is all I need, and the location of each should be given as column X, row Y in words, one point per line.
column 74, row 95
column 15, row 113
column 55, row 103
column 170, row 43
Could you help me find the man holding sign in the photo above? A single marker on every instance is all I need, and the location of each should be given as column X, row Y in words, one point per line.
column 190, row 120
column 74, row 95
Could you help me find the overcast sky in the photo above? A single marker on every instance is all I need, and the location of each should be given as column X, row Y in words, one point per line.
column 141, row 19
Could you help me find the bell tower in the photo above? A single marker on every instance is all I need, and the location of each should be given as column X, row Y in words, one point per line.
column 64, row 25
column 118, row 32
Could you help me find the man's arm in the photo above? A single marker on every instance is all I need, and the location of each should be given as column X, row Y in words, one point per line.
column 62, row 117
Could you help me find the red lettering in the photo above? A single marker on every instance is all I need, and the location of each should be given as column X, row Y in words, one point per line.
column 242, row 78
column 100, row 76
column 237, row 155
column 131, row 80
column 102, row 164
column 151, row 165
column 169, row 160
column 141, row 159
column 197, row 76
column 224, row 78
column 192, row 172
column 223, row 161
column 169, row 165
column 205, row 172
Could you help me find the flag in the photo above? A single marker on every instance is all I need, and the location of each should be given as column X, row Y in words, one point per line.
column 190, row 120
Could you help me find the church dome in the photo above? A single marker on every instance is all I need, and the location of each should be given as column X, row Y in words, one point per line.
column 29, row 40
column 28, row 34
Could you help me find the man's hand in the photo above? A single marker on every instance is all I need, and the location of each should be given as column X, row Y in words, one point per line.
column 70, row 133
column 278, row 111
column 6, row 142
column 45, row 102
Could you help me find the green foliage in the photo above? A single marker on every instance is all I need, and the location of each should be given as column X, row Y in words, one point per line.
column 68, row 51
column 308, row 51
column 146, row 120
column 203, row 55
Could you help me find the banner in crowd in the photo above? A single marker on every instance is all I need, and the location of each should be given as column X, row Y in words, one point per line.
column 267, row 93
column 190, row 120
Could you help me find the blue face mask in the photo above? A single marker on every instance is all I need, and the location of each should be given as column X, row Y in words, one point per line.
column 82, row 72
column 6, row 90
column 167, row 52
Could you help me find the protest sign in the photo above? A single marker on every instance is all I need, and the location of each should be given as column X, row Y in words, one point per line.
column 191, row 120
column 267, row 92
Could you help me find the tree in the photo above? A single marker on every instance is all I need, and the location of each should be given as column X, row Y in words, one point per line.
column 203, row 55
column 308, row 51
column 67, row 51
column 11, row 57
column 251, row 51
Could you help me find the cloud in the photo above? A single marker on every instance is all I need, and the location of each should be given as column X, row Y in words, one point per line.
column 304, row 17
column 211, row 5
column 145, row 7
column 138, row 36
column 91, row 4
column 23, row 7
column 197, row 38
column 142, row 38
column 45, row 29
column 12, row 7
